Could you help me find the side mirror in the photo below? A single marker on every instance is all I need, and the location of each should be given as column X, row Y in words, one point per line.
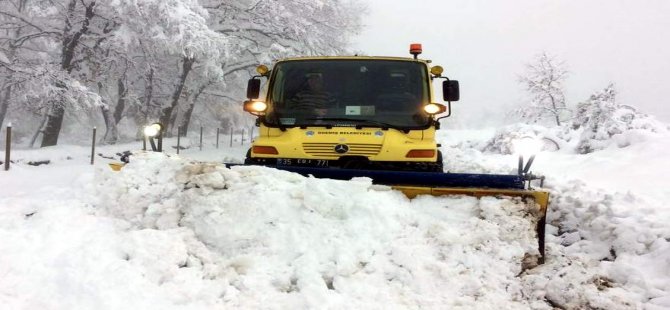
column 253, row 88
column 450, row 91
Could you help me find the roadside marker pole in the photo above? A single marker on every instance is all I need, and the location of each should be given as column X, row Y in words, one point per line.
column 231, row 137
column 8, row 147
column 178, row 137
column 201, row 138
column 93, row 146
column 217, row 137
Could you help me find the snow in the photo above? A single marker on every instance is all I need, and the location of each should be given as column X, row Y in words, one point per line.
column 183, row 232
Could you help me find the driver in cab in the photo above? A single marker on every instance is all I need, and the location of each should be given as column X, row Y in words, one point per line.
column 313, row 99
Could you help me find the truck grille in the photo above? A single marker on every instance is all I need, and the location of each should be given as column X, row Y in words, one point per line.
column 327, row 150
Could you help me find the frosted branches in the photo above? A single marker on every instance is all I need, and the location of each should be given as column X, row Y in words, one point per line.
column 543, row 79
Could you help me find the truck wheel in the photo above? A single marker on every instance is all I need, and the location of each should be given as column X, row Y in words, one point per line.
column 247, row 159
column 439, row 165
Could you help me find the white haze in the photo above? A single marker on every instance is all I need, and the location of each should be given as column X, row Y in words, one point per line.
column 485, row 44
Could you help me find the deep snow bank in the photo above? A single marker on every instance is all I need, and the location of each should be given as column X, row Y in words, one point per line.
column 608, row 238
column 166, row 233
column 285, row 241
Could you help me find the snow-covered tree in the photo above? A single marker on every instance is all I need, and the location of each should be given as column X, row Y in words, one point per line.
column 146, row 60
column 260, row 32
column 505, row 138
column 543, row 80
column 22, row 50
column 93, row 41
column 603, row 121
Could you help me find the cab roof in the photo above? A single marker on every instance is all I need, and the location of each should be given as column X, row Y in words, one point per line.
column 409, row 59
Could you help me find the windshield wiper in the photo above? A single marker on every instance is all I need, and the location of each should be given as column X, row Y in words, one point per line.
column 384, row 126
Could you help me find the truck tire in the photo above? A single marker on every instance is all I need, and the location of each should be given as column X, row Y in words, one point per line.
column 247, row 159
column 439, row 165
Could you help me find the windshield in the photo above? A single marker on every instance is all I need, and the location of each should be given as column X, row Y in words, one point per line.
column 362, row 93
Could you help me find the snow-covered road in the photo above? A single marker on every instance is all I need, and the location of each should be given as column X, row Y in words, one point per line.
column 170, row 232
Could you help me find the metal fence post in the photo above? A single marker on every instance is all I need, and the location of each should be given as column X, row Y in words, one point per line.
column 8, row 147
column 160, row 140
column 201, row 138
column 93, row 146
column 217, row 137
column 178, row 138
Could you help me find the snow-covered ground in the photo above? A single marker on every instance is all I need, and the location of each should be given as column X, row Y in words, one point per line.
column 184, row 232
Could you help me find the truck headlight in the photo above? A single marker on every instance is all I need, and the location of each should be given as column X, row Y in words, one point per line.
column 255, row 107
column 434, row 108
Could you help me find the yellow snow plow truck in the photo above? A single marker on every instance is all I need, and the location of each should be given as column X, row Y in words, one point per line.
column 376, row 117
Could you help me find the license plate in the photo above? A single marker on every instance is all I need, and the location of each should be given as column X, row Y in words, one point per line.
column 302, row 162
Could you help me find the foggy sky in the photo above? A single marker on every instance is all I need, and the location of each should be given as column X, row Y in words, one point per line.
column 485, row 43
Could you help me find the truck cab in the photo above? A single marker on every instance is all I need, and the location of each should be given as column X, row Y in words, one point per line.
column 373, row 113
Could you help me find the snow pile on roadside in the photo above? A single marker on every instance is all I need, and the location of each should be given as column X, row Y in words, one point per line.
column 285, row 241
column 169, row 233
column 551, row 139
column 569, row 138
column 56, row 254
column 605, row 249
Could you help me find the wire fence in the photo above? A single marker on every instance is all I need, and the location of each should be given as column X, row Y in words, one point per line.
column 235, row 137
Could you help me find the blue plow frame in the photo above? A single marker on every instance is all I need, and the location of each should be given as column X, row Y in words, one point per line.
column 411, row 178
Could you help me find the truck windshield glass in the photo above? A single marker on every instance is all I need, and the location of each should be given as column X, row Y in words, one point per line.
column 328, row 92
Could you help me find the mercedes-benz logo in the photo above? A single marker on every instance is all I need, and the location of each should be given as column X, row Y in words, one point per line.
column 341, row 148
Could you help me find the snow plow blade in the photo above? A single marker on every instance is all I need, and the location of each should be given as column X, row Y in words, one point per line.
column 541, row 199
column 413, row 184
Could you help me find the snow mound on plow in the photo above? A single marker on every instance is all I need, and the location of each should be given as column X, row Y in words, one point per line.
column 274, row 239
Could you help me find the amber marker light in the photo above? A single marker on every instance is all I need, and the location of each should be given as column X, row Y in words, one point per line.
column 415, row 48
column 269, row 150
column 437, row 70
column 262, row 70
column 420, row 154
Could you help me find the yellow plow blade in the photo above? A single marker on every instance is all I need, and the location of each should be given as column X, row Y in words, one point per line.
column 541, row 199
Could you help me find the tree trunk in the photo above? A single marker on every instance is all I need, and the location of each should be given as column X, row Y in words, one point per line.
column 39, row 130
column 112, row 120
column 111, row 131
column 53, row 124
column 166, row 113
column 142, row 117
column 186, row 120
column 173, row 121
column 70, row 42
column 4, row 103
column 5, row 96
column 121, row 101
column 555, row 110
